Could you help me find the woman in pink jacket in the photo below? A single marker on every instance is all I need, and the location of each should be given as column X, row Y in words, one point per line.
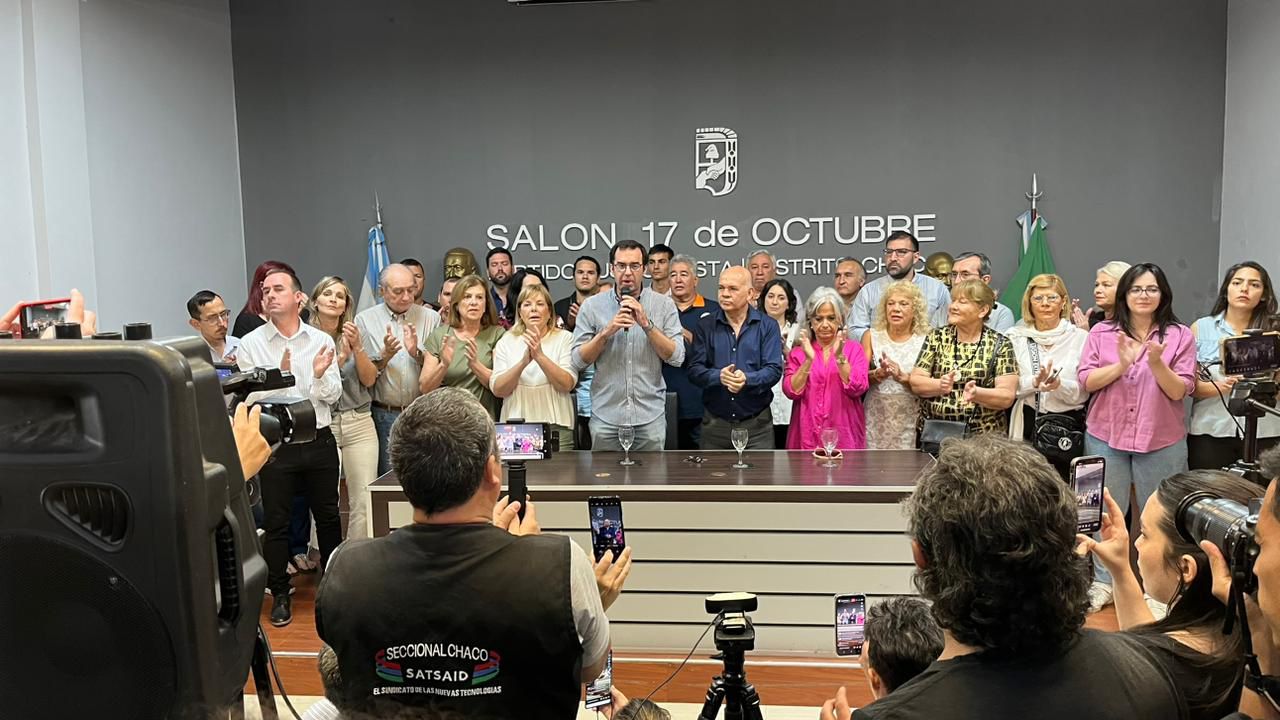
column 825, row 377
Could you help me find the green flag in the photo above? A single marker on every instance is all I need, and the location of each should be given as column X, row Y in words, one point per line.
column 1033, row 259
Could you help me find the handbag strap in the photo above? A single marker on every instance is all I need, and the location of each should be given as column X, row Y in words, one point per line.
column 1034, row 350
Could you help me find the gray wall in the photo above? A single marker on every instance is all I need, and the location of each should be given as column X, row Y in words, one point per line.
column 1251, row 159
column 465, row 113
column 118, row 156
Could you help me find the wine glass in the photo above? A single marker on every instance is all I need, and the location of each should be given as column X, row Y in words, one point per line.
column 626, row 438
column 830, row 436
column 739, row 437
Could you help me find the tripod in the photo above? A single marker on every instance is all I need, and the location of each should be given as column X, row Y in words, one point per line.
column 731, row 687
column 1250, row 399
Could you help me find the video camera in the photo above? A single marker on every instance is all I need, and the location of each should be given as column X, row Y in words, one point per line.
column 735, row 634
column 283, row 421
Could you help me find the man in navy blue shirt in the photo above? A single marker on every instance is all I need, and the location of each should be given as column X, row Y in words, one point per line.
column 692, row 308
column 737, row 359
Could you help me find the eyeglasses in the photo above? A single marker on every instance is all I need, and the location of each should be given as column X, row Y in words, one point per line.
column 1042, row 299
column 964, row 275
column 624, row 267
column 900, row 252
column 1149, row 291
column 397, row 292
column 223, row 316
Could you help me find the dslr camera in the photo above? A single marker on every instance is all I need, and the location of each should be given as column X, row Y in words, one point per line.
column 283, row 421
column 1230, row 526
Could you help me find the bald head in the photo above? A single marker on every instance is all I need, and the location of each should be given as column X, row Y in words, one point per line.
column 735, row 290
column 398, row 287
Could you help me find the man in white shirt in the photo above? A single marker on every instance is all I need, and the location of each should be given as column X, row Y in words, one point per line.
column 901, row 251
column 309, row 469
column 977, row 266
column 393, row 333
column 210, row 318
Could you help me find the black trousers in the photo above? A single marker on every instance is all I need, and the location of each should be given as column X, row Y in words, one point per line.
column 1205, row 452
column 310, row 470
column 717, row 434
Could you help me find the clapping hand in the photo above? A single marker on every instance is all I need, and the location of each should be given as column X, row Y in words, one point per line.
column 411, row 339
column 447, row 349
column 533, row 341
column 323, row 360
column 1078, row 318
column 947, row 382
column 970, row 391
column 351, row 334
column 807, row 343
column 286, row 361
column 472, row 352
column 1155, row 354
column 1127, row 349
column 893, row 369
column 733, row 379
column 390, row 344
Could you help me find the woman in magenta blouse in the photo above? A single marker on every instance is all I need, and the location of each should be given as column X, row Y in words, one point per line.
column 825, row 378
column 1139, row 365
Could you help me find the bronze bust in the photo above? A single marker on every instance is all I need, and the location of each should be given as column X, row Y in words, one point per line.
column 938, row 267
column 459, row 262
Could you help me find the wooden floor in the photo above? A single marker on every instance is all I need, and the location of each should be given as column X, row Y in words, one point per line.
column 780, row 680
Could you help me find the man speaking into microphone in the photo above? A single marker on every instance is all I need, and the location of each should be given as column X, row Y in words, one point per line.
column 628, row 333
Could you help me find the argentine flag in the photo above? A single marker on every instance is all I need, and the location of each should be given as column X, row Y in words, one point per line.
column 378, row 259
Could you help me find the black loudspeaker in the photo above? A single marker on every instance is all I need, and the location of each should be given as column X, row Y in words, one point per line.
column 130, row 575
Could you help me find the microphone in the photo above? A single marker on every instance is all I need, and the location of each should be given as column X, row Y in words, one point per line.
column 627, row 291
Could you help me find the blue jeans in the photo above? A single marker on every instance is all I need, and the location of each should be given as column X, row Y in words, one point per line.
column 1144, row 471
column 650, row 436
column 382, row 422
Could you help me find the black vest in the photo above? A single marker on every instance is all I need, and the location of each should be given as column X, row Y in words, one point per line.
column 467, row 617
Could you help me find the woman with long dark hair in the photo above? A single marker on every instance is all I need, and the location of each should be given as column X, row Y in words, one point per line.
column 523, row 278
column 1176, row 572
column 1246, row 300
column 1139, row 365
column 778, row 300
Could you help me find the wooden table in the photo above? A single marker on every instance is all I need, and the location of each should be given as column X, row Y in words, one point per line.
column 788, row 529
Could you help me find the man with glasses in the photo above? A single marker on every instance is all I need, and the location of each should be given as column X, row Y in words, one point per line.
column 628, row 333
column 977, row 266
column 901, row 251
column 209, row 316
column 393, row 332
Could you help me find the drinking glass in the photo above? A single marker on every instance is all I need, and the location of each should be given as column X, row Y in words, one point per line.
column 739, row 437
column 830, row 436
column 626, row 438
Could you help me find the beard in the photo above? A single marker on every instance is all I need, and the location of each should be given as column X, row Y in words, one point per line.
column 901, row 273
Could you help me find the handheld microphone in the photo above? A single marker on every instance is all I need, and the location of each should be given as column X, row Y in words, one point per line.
column 627, row 291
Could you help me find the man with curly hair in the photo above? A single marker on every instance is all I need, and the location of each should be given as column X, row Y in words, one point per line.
column 993, row 532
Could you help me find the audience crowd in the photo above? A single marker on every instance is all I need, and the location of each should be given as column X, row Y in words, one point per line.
column 414, row 387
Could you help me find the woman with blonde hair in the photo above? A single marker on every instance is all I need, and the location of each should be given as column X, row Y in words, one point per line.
column 892, row 346
column 533, row 366
column 1104, row 296
column 966, row 371
column 333, row 311
column 1047, row 346
column 460, row 354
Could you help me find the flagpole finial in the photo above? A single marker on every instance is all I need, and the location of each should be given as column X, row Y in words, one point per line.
column 377, row 208
column 1035, row 193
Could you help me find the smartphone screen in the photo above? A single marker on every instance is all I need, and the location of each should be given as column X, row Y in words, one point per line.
column 1087, row 474
column 851, row 616
column 606, row 525
column 522, row 441
column 598, row 692
column 38, row 316
column 1250, row 354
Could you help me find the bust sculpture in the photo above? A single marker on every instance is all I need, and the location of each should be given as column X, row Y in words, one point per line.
column 460, row 262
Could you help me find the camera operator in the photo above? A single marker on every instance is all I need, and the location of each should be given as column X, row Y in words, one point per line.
column 993, row 532
column 1263, row 608
column 468, row 607
column 310, row 469
column 1206, row 663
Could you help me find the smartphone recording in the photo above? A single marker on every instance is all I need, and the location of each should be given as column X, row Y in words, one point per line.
column 599, row 692
column 606, row 526
column 1251, row 354
column 851, row 620
column 523, row 441
column 1087, row 479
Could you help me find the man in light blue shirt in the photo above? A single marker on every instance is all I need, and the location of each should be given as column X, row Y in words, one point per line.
column 901, row 251
column 977, row 266
column 628, row 332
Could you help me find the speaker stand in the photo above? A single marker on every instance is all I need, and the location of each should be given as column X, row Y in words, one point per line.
column 261, row 681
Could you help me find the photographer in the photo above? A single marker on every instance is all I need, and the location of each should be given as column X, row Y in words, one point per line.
column 1206, row 663
column 1264, row 606
column 468, row 607
column 993, row 537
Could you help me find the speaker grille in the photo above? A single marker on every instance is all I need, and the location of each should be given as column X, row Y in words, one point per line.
column 100, row 511
column 77, row 639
